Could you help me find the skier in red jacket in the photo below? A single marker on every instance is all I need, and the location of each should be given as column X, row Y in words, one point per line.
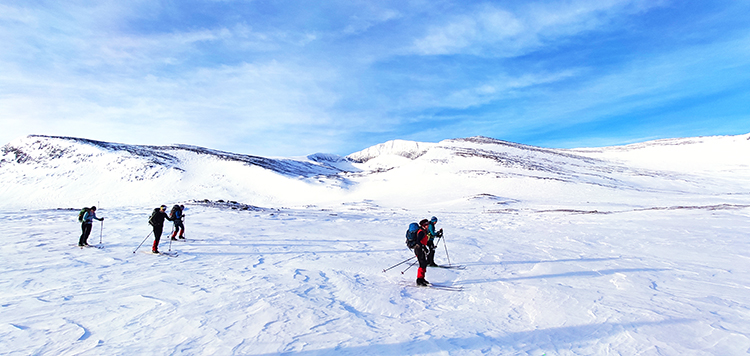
column 421, row 249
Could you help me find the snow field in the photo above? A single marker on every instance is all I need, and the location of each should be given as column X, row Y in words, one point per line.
column 309, row 281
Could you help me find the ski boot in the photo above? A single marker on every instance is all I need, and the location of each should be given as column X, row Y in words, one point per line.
column 422, row 282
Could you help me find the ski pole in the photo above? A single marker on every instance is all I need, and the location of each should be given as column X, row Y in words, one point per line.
column 398, row 264
column 101, row 227
column 438, row 240
column 144, row 240
column 410, row 266
column 446, row 253
column 171, row 238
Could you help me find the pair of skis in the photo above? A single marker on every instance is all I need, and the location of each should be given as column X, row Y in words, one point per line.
column 440, row 286
column 100, row 246
column 168, row 254
column 444, row 287
column 448, row 267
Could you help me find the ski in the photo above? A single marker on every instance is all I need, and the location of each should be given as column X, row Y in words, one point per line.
column 88, row 246
column 449, row 267
column 445, row 287
column 168, row 254
column 435, row 286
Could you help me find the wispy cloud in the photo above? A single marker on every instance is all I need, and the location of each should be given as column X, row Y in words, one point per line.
column 276, row 78
column 491, row 30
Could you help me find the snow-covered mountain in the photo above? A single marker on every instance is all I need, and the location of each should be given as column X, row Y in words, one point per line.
column 43, row 171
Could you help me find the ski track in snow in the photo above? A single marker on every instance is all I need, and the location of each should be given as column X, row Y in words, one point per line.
column 310, row 282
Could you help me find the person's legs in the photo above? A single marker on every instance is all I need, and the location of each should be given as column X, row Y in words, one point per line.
column 83, row 234
column 157, row 237
column 85, row 237
column 422, row 258
column 431, row 255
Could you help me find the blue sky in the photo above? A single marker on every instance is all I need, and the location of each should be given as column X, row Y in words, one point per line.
column 291, row 78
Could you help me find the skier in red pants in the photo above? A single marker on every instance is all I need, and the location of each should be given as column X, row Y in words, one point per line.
column 157, row 221
column 421, row 249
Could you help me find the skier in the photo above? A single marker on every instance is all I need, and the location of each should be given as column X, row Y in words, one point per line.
column 421, row 250
column 88, row 220
column 431, row 243
column 157, row 221
column 177, row 216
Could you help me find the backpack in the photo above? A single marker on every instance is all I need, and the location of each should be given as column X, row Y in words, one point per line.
column 175, row 209
column 411, row 235
column 150, row 219
column 81, row 214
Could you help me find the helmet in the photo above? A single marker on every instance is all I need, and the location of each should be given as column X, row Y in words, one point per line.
column 423, row 222
column 433, row 219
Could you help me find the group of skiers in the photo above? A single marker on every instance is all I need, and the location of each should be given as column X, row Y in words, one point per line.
column 424, row 247
column 176, row 215
column 156, row 220
column 420, row 237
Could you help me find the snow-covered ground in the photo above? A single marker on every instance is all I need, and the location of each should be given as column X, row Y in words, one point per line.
column 566, row 252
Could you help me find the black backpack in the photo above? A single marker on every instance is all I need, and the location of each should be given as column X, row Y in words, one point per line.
column 411, row 235
column 150, row 219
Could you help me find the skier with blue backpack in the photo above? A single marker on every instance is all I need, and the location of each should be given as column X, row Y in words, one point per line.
column 417, row 239
column 177, row 215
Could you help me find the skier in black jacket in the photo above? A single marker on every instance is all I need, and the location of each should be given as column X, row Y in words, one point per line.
column 157, row 221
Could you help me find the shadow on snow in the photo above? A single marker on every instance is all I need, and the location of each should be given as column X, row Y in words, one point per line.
column 550, row 339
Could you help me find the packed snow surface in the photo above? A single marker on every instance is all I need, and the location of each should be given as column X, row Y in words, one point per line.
column 632, row 250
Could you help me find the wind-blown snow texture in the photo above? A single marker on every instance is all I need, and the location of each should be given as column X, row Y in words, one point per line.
column 633, row 250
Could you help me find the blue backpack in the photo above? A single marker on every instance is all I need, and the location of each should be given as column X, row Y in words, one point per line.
column 411, row 235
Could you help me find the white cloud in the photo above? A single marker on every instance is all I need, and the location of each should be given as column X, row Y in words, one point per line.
column 493, row 31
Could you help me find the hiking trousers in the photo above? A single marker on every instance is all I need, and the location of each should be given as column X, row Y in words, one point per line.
column 85, row 232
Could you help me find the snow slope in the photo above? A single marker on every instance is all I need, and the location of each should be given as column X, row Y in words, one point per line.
column 41, row 171
column 566, row 252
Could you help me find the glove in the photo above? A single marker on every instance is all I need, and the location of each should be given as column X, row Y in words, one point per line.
column 440, row 233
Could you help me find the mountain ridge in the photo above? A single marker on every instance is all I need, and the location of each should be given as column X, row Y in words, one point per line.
column 52, row 171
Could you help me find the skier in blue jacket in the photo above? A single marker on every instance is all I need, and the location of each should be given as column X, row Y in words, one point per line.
column 431, row 243
column 88, row 220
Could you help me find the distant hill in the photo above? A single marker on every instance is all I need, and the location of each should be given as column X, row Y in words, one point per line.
column 47, row 171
